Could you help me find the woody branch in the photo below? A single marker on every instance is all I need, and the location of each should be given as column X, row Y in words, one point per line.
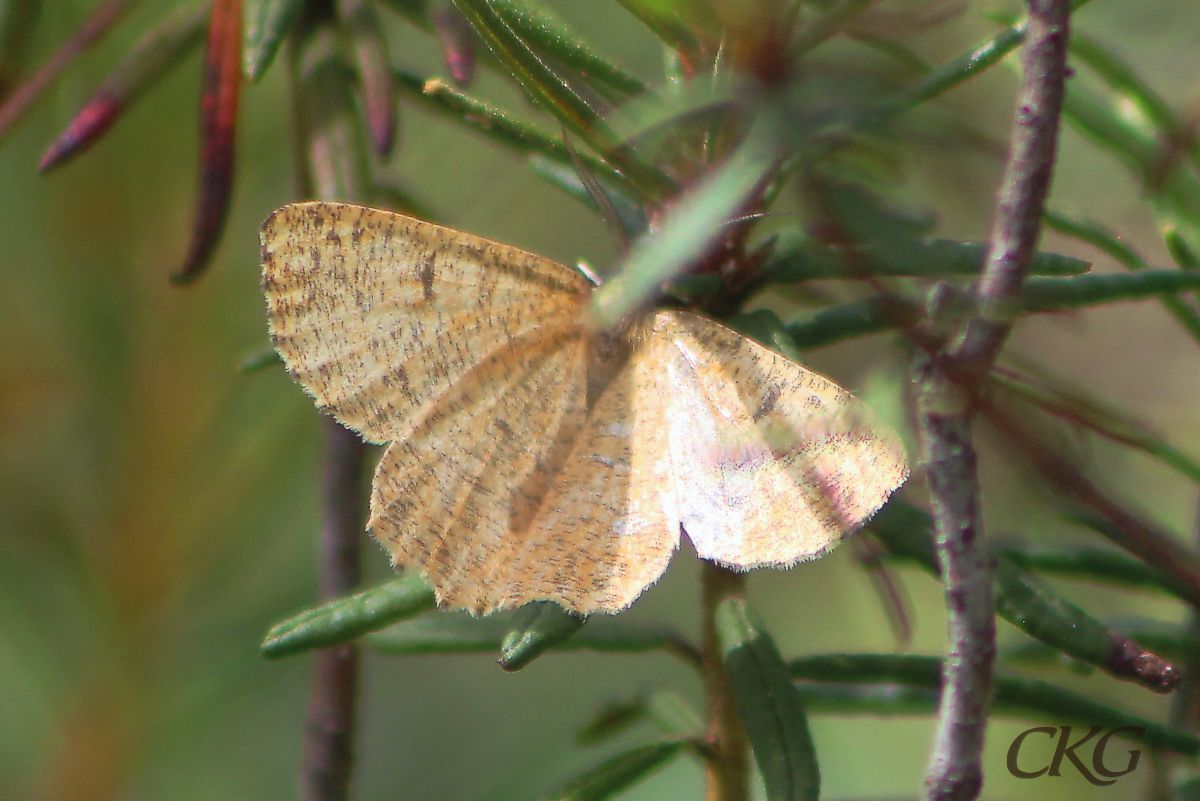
column 949, row 377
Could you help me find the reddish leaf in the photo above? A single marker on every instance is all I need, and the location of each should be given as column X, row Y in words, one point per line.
column 153, row 57
column 85, row 128
column 218, row 125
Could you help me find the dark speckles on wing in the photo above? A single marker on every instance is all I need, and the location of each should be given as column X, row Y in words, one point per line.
column 427, row 277
column 768, row 402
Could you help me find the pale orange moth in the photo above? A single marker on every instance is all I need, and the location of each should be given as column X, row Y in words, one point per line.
column 531, row 458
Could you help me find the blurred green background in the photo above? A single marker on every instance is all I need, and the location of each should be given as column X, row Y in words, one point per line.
column 158, row 507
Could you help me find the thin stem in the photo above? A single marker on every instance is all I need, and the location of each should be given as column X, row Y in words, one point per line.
column 332, row 167
column 728, row 766
column 1026, row 182
column 329, row 729
column 948, row 383
column 955, row 770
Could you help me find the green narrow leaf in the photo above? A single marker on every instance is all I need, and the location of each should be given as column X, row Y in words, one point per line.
column 863, row 216
column 966, row 66
column 1097, row 564
column 538, row 79
column 1039, row 294
column 624, row 770
column 1011, row 695
column 1105, row 527
column 545, row 31
column 769, row 705
column 1098, row 121
column 800, row 258
column 455, row 633
column 600, row 200
column 539, row 626
column 1047, row 294
column 687, row 231
column 1175, row 641
column 835, row 323
column 327, row 117
column 346, row 618
column 267, row 25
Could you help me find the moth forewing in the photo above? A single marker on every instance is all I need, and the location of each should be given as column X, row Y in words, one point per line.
column 377, row 314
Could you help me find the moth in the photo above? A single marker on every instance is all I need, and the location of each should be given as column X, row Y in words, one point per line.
column 530, row 457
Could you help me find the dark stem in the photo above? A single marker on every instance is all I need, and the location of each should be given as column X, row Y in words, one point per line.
column 1016, row 225
column 948, row 384
column 329, row 729
column 728, row 767
column 331, row 167
column 965, row 562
